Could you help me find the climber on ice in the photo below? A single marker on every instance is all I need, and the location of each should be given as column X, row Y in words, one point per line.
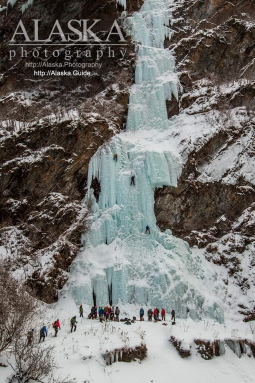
column 132, row 180
column 115, row 157
column 148, row 230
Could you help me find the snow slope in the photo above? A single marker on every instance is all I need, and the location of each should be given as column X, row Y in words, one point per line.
column 80, row 355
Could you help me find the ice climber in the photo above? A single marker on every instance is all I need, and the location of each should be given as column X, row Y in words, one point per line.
column 73, row 323
column 173, row 315
column 30, row 337
column 115, row 157
column 132, row 180
column 117, row 313
column 163, row 314
column 141, row 313
column 43, row 333
column 56, row 326
column 81, row 311
column 147, row 230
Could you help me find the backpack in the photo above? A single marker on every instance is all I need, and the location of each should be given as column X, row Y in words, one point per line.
column 73, row 320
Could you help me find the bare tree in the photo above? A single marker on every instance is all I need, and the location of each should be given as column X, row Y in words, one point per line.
column 17, row 307
column 35, row 361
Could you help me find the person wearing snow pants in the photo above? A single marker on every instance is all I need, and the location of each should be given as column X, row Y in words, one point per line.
column 43, row 333
column 117, row 313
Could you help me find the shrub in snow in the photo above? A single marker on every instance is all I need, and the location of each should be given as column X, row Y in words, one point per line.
column 17, row 308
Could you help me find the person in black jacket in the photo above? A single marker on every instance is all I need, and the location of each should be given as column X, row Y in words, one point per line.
column 173, row 315
column 117, row 314
column 150, row 315
column 132, row 180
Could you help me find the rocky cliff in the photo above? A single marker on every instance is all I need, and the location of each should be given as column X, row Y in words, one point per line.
column 50, row 128
column 213, row 205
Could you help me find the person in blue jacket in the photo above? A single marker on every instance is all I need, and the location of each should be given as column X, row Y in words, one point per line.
column 141, row 313
column 43, row 333
column 101, row 314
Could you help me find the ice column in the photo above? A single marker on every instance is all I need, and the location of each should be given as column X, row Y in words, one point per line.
column 120, row 263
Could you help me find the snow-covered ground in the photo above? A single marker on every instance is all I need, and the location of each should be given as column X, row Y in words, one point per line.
column 80, row 355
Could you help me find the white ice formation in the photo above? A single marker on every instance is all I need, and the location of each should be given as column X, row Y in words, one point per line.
column 120, row 263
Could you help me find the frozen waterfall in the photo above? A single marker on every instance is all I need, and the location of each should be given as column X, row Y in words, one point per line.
column 120, row 263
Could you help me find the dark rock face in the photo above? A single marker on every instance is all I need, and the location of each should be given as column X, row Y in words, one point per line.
column 50, row 128
column 210, row 44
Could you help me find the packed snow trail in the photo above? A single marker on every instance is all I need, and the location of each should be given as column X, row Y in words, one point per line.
column 120, row 263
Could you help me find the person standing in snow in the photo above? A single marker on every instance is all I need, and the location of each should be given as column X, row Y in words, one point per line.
column 73, row 323
column 101, row 314
column 56, row 326
column 155, row 313
column 107, row 313
column 94, row 312
column 163, row 314
column 30, row 337
column 81, row 311
column 149, row 315
column 132, row 180
column 117, row 313
column 43, row 333
column 173, row 315
column 112, row 313
column 141, row 313
column 147, row 230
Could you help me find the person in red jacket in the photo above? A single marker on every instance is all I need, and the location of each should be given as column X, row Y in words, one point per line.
column 155, row 313
column 163, row 314
column 56, row 326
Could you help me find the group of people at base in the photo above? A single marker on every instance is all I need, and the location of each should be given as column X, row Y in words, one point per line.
column 104, row 313
column 155, row 313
